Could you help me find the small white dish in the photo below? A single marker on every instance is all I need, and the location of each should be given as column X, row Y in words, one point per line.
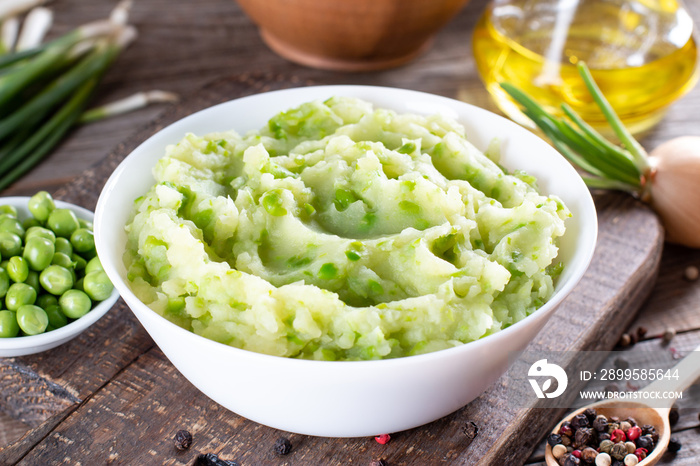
column 21, row 346
column 359, row 398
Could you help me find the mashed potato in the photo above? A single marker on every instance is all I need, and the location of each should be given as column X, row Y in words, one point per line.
column 342, row 232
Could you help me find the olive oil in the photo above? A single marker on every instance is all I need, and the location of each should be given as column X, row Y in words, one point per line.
column 641, row 53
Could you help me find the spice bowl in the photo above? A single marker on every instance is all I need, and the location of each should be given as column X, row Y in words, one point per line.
column 24, row 345
column 346, row 398
column 360, row 35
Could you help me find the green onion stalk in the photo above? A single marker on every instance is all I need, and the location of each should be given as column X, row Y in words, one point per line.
column 668, row 178
column 44, row 90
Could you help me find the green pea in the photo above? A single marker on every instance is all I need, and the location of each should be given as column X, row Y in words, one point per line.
column 18, row 295
column 31, row 222
column 79, row 262
column 88, row 255
column 17, row 269
column 63, row 260
column 38, row 252
column 40, row 231
column 63, row 222
column 78, row 285
column 56, row 279
column 12, row 225
column 75, row 303
column 4, row 282
column 9, row 210
column 4, row 263
column 63, row 245
column 85, row 224
column 32, row 319
column 82, row 240
column 8, row 324
column 33, row 280
column 93, row 264
column 41, row 205
column 57, row 318
column 10, row 244
column 46, row 300
column 97, row 285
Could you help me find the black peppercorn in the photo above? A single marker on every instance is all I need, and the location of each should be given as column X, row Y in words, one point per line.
column 282, row 446
column 565, row 429
column 583, row 437
column 673, row 416
column 471, row 430
column 600, row 423
column 571, row 460
column 614, row 418
column 591, row 415
column 674, row 445
column 631, row 420
column 646, row 442
column 210, row 459
column 183, row 440
column 379, row 462
column 580, row 420
column 554, row 439
column 588, row 455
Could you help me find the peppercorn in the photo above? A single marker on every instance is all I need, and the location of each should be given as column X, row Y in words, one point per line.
column 210, row 459
column 578, row 421
column 612, row 427
column 591, row 415
column 566, row 429
column 618, row 436
column 183, row 440
column 554, row 439
column 641, row 332
column 558, row 451
column 641, row 453
column 645, row 442
column 625, row 340
column 669, row 334
column 606, row 445
column 571, row 460
column 691, row 273
column 383, row 439
column 584, row 436
column 673, row 416
column 588, row 455
column 600, row 423
column 470, row 429
column 618, row 451
column 282, row 446
column 621, row 363
column 634, row 432
column 617, row 463
column 631, row 460
column 603, row 459
column 603, row 436
column 650, row 431
column 631, row 420
column 379, row 462
column 630, row 446
column 576, row 453
column 674, row 445
column 625, row 426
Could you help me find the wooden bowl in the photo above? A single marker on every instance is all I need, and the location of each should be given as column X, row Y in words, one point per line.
column 350, row 35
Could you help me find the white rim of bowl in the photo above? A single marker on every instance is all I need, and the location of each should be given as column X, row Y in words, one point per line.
column 555, row 300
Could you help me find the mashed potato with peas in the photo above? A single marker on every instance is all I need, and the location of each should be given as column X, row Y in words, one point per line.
column 342, row 232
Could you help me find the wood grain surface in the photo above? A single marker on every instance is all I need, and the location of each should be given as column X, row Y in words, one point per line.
column 122, row 401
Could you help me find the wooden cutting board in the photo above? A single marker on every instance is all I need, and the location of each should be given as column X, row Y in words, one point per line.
column 111, row 396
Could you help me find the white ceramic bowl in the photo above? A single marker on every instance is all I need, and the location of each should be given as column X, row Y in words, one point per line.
column 20, row 346
column 345, row 399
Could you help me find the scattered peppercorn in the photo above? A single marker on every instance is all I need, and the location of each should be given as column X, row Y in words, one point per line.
column 603, row 436
column 566, row 429
column 383, row 439
column 641, row 332
column 590, row 415
column 606, row 445
column 572, row 460
column 600, row 423
column 634, row 432
column 553, row 439
column 625, row 426
column 210, row 459
column 631, row 460
column 673, row 416
column 645, row 442
column 558, row 451
column 641, row 453
column 618, row 435
column 691, row 273
column 580, row 420
column 183, row 440
column 379, row 462
column 650, row 430
column 621, row 363
column 471, row 430
column 584, row 436
column 674, row 445
column 669, row 334
column 630, row 446
column 588, row 455
column 631, row 420
column 603, row 459
column 282, row 446
column 618, row 451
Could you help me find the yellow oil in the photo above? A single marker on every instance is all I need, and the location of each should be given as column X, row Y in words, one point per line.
column 640, row 72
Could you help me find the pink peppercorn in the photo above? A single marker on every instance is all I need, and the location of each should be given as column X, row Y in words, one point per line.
column 633, row 433
column 618, row 436
column 641, row 453
column 383, row 439
column 576, row 453
column 566, row 430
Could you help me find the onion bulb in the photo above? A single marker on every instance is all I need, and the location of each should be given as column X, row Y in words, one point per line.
column 675, row 188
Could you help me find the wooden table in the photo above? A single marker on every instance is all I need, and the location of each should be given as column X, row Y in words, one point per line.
column 182, row 46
